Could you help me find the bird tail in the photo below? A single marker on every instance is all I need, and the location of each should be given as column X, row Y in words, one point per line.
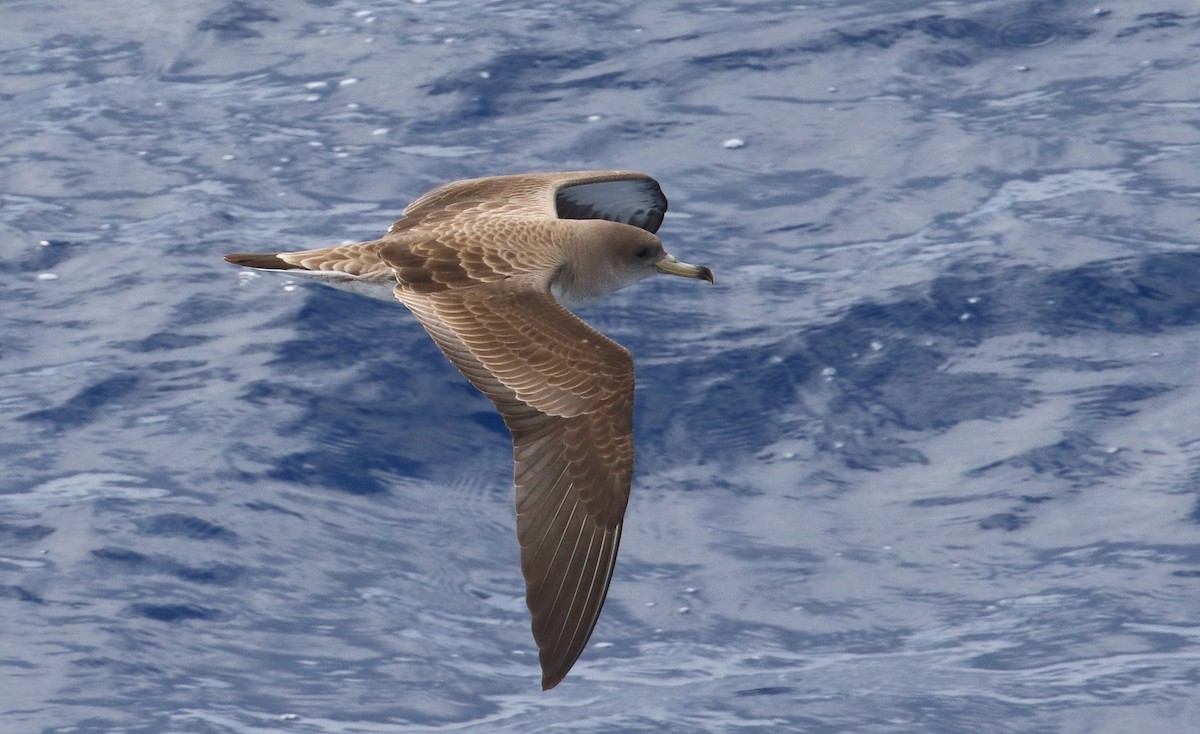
column 262, row 260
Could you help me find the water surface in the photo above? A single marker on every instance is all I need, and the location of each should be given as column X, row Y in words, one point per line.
column 925, row 459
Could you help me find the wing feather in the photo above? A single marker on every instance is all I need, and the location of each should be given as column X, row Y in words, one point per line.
column 572, row 443
column 619, row 196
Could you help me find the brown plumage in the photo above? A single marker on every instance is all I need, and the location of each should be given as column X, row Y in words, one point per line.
column 486, row 265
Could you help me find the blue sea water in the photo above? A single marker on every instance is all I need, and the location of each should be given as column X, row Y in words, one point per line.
column 925, row 459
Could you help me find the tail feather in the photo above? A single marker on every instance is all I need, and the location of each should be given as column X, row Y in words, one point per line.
column 263, row 260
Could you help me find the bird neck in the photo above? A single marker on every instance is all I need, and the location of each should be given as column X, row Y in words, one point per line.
column 587, row 271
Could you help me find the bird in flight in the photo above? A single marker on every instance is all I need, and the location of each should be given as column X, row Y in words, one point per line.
column 490, row 266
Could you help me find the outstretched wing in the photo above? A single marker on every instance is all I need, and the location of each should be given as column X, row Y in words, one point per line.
column 565, row 392
column 619, row 196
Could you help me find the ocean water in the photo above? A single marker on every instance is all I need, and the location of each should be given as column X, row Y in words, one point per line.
column 925, row 459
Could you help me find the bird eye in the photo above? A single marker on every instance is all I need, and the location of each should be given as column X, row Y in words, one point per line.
column 643, row 252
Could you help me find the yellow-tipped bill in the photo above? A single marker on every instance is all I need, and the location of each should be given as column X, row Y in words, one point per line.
column 669, row 265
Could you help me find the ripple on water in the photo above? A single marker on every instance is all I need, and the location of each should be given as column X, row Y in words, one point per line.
column 1027, row 33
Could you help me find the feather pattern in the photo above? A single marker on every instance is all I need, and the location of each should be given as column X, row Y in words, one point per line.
column 572, row 476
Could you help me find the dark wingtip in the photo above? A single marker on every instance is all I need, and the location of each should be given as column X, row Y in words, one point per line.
column 264, row 260
column 553, row 672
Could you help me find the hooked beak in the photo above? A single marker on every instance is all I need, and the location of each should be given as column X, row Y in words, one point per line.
column 669, row 265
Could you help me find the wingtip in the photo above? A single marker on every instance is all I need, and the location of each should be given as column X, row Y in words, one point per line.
column 552, row 671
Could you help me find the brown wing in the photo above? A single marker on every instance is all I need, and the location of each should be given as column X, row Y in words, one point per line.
column 565, row 392
column 620, row 196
